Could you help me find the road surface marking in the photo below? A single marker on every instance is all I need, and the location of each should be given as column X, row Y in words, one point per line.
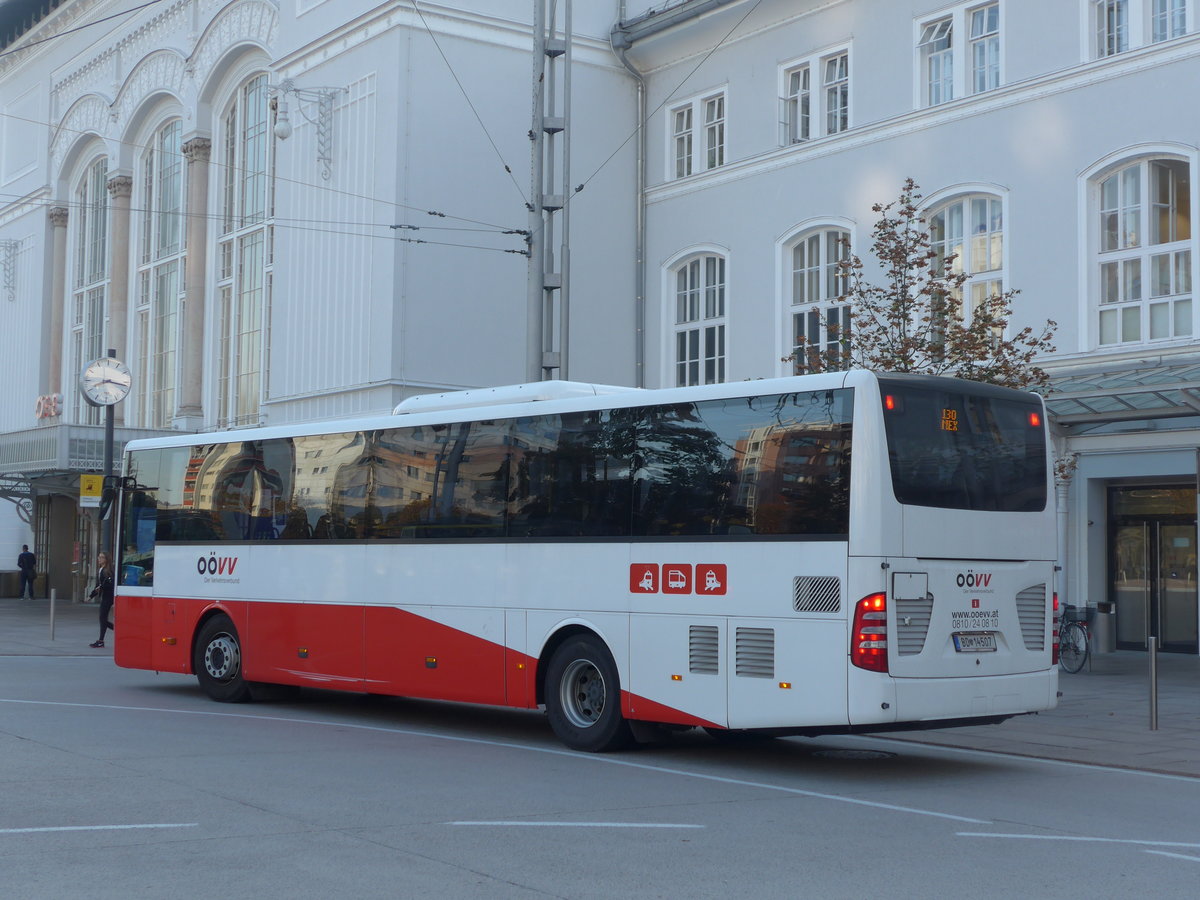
column 582, row 824
column 94, row 828
column 1077, row 838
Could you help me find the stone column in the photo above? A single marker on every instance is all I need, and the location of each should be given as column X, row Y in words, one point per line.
column 120, row 187
column 58, row 297
column 190, row 414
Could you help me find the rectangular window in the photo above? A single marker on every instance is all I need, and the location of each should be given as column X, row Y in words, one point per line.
column 837, row 93
column 938, row 60
column 683, row 142
column 1112, row 27
column 985, row 48
column 796, row 105
column 1168, row 19
column 690, row 152
column 714, row 132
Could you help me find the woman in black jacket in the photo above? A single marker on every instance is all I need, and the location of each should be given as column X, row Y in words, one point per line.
column 103, row 589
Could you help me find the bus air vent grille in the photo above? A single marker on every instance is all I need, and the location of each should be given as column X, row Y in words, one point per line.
column 912, row 624
column 703, row 650
column 756, row 652
column 1031, row 611
column 817, row 593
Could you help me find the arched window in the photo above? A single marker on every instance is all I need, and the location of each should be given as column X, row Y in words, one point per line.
column 159, row 275
column 1143, row 252
column 700, row 320
column 819, row 324
column 971, row 229
column 244, row 253
column 89, row 285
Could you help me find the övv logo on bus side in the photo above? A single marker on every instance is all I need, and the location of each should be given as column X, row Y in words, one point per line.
column 216, row 565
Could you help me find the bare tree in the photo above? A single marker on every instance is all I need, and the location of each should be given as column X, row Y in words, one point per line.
column 917, row 320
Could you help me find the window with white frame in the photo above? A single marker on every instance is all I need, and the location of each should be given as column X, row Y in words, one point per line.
column 796, row 105
column 159, row 298
column 1144, row 252
column 690, row 152
column 89, row 286
column 700, row 320
column 1168, row 19
column 814, row 97
column 1120, row 25
column 970, row 229
column 958, row 53
column 937, row 61
column 820, row 325
column 837, row 92
column 244, row 269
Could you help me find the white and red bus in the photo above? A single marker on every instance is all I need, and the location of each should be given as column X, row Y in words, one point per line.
column 833, row 553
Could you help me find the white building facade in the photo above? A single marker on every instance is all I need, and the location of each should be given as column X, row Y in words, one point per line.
column 248, row 278
column 271, row 210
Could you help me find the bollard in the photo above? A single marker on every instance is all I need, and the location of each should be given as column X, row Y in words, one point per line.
column 1153, row 648
column 53, row 593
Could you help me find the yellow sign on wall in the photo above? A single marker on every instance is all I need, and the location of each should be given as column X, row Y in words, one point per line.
column 91, row 488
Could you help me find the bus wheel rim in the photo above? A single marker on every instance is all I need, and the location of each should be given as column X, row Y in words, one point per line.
column 583, row 693
column 222, row 658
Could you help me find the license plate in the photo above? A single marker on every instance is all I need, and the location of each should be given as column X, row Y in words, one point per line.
column 978, row 642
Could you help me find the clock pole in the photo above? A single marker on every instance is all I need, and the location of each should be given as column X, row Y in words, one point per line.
column 106, row 527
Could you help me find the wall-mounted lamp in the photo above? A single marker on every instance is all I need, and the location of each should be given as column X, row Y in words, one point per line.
column 322, row 117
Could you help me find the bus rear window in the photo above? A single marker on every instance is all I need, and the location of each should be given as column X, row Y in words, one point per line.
column 983, row 450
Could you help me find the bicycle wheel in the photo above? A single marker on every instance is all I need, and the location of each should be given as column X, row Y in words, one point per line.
column 1072, row 647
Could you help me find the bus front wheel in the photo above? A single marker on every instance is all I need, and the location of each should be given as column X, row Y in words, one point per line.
column 583, row 697
column 218, row 661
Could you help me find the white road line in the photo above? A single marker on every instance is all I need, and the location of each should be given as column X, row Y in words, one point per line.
column 581, row 824
column 94, row 828
column 1195, row 859
column 1079, row 839
column 584, row 757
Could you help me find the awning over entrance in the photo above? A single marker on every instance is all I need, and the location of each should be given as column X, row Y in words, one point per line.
column 1163, row 391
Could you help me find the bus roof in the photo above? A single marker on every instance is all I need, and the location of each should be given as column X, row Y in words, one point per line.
column 515, row 401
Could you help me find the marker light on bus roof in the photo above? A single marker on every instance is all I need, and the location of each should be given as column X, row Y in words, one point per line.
column 1035, row 419
column 889, row 402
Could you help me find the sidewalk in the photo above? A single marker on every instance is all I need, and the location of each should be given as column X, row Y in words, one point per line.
column 1103, row 715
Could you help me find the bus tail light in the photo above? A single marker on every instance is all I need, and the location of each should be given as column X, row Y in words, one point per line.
column 868, row 642
column 1054, row 634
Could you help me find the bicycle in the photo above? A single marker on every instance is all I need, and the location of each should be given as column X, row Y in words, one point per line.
column 1074, row 642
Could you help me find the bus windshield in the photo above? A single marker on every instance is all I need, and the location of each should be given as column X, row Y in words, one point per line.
column 977, row 448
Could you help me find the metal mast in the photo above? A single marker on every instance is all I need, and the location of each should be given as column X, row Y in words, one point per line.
column 548, row 313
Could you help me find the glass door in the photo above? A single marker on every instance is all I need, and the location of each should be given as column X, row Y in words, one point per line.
column 1152, row 559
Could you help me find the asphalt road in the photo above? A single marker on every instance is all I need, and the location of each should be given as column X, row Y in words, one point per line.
column 128, row 784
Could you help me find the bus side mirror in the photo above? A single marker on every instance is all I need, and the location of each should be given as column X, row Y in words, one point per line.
column 106, row 500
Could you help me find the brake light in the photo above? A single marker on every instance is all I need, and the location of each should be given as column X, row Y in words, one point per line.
column 1054, row 634
column 889, row 402
column 1035, row 419
column 868, row 642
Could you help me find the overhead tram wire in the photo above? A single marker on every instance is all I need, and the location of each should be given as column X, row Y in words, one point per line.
column 467, row 97
column 300, row 225
column 282, row 180
column 69, row 31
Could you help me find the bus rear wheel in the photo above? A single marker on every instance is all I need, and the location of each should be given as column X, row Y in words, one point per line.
column 583, row 697
column 218, row 662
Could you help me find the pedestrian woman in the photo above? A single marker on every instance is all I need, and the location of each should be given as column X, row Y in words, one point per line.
column 103, row 590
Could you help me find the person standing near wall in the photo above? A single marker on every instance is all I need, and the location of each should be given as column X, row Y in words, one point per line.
column 104, row 589
column 27, row 563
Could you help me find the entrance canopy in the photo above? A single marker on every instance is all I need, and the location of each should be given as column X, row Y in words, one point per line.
column 1139, row 392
